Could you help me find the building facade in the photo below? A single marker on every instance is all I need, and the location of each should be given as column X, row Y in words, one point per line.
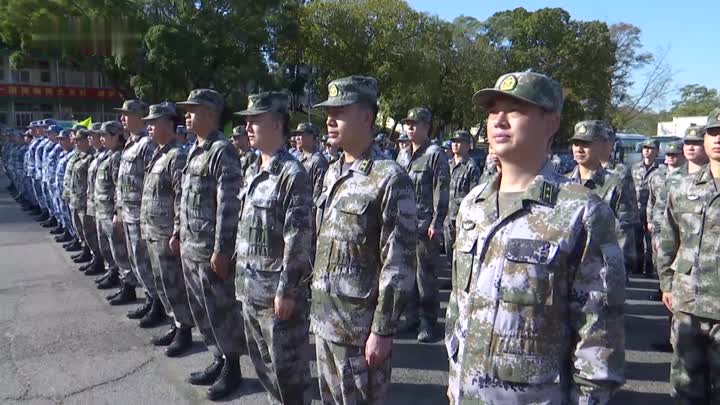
column 47, row 89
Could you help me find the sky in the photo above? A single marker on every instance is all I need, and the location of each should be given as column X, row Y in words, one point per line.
column 690, row 29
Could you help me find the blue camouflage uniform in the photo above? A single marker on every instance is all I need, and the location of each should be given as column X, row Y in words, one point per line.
column 59, row 180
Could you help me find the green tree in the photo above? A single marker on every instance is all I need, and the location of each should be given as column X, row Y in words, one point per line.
column 579, row 54
column 695, row 100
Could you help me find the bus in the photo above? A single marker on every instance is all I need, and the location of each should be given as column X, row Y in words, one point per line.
column 628, row 150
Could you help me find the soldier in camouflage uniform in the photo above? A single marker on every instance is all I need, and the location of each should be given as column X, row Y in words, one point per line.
column 536, row 309
column 632, row 218
column 110, row 236
column 694, row 149
column 464, row 176
column 311, row 157
column 365, row 262
column 30, row 168
column 40, row 194
column 688, row 266
column 97, row 264
column 160, row 221
column 52, row 150
column 61, row 180
column 403, row 143
column 588, row 144
column 659, row 183
column 208, row 223
column 428, row 169
column 242, row 145
column 77, row 190
column 273, row 249
column 136, row 157
column 641, row 172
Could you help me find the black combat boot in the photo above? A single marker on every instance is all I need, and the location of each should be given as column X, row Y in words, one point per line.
column 50, row 223
column 111, row 281
column 84, row 257
column 229, row 380
column 155, row 316
column 181, row 343
column 59, row 230
column 209, row 375
column 73, row 246
column 44, row 216
column 166, row 338
column 426, row 332
column 94, row 268
column 126, row 296
column 410, row 324
column 140, row 311
column 64, row 237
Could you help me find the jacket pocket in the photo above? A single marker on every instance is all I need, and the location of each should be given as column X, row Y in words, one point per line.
column 464, row 255
column 528, row 275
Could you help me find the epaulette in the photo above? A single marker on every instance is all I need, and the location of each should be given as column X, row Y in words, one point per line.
column 275, row 167
column 549, row 193
column 365, row 166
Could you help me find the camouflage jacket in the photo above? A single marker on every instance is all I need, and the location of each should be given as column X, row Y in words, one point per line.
column 658, row 185
column 64, row 174
column 56, row 180
column 105, row 183
column 640, row 175
column 40, row 157
column 274, row 239
column 365, row 260
column 429, row 172
column 209, row 204
column 316, row 165
column 689, row 252
column 92, row 175
column 52, row 162
column 135, row 158
column 464, row 175
column 30, row 159
column 625, row 174
column 620, row 197
column 160, row 210
column 246, row 160
column 537, row 296
column 50, row 155
column 78, row 175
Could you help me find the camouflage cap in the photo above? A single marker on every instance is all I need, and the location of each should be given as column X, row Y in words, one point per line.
column 207, row 97
column 307, row 127
column 530, row 87
column 164, row 109
column 81, row 134
column 713, row 120
column 419, row 114
column 78, row 127
column 694, row 133
column 447, row 145
column 239, row 131
column 95, row 126
column 65, row 134
column 674, row 148
column 267, row 102
column 403, row 137
column 54, row 129
column 113, row 128
column 180, row 129
column 33, row 124
column 462, row 136
column 589, row 131
column 650, row 143
column 351, row 90
column 134, row 107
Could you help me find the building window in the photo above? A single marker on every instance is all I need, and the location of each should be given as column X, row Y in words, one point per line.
column 2, row 68
column 3, row 118
column 22, row 119
column 45, row 76
column 21, row 76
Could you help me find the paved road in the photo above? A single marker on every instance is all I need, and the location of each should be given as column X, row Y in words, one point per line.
column 60, row 343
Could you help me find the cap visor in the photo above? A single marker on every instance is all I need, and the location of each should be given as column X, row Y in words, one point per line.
column 122, row 110
column 485, row 96
column 249, row 112
column 157, row 116
column 334, row 103
column 196, row 104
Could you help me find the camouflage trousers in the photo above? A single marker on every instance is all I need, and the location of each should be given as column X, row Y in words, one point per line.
column 214, row 309
column 114, row 250
column 170, row 281
column 424, row 298
column 695, row 366
column 345, row 378
column 39, row 197
column 66, row 217
column 277, row 350
column 87, row 231
column 28, row 191
column 139, row 260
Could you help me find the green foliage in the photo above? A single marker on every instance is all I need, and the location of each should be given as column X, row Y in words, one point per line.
column 695, row 100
